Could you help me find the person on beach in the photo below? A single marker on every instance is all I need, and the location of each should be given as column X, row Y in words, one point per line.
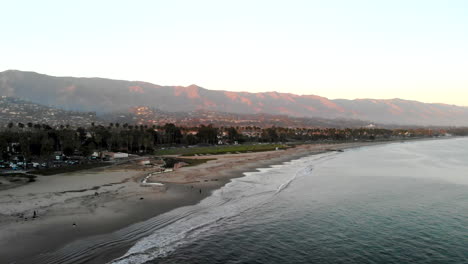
column 34, row 214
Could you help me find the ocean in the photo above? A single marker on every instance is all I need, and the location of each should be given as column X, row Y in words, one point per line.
column 394, row 203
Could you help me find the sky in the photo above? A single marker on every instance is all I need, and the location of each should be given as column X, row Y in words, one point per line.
column 409, row 49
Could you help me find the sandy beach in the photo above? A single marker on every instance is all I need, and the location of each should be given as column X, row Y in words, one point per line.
column 77, row 205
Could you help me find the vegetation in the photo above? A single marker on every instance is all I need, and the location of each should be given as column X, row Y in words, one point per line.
column 24, row 142
column 215, row 150
column 169, row 162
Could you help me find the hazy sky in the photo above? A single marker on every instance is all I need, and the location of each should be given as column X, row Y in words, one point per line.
column 338, row 49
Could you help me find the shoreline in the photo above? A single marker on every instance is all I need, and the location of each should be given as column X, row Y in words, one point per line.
column 123, row 203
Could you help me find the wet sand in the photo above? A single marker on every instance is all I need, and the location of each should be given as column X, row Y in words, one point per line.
column 69, row 210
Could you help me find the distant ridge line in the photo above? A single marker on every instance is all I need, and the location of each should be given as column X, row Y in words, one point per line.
column 107, row 95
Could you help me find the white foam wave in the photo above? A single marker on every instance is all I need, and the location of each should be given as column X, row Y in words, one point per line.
column 238, row 196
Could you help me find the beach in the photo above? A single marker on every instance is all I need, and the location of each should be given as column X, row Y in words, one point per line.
column 393, row 203
column 74, row 206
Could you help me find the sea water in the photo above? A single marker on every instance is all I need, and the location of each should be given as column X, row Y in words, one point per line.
column 393, row 203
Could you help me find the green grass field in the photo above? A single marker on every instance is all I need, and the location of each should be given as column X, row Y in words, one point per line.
column 216, row 150
column 190, row 161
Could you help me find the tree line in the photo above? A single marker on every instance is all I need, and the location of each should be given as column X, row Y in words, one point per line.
column 41, row 140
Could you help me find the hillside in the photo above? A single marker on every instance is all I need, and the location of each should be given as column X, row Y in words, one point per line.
column 14, row 110
column 20, row 111
column 107, row 96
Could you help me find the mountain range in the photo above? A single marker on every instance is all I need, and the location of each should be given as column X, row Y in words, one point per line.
column 107, row 96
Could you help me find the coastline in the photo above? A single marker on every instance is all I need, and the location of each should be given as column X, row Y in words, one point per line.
column 67, row 199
